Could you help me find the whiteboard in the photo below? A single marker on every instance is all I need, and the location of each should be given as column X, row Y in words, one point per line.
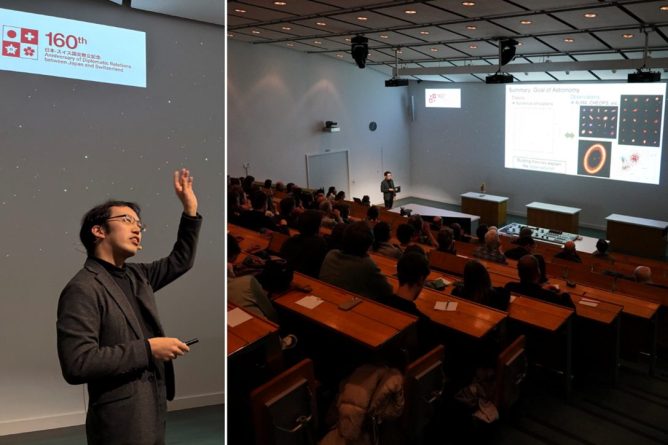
column 326, row 169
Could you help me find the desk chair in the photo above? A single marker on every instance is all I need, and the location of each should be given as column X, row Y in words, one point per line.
column 284, row 409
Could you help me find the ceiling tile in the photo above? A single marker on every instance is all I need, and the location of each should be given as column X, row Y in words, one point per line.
column 423, row 13
column 481, row 8
column 540, row 23
column 610, row 16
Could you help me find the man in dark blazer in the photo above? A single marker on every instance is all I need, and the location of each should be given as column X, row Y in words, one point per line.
column 109, row 331
column 388, row 189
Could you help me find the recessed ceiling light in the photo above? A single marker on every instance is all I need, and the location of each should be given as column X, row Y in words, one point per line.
column 286, row 28
column 471, row 27
column 280, row 3
column 526, row 22
column 628, row 36
column 290, row 44
column 519, row 43
column 664, row 8
column 340, row 56
column 362, row 18
column 321, row 23
column 424, row 33
column 410, row 11
column 590, row 15
column 472, row 46
column 468, row 3
column 255, row 31
column 317, row 42
column 569, row 40
column 229, row 34
column 240, row 11
column 384, row 36
column 434, row 49
column 347, row 40
column 400, row 52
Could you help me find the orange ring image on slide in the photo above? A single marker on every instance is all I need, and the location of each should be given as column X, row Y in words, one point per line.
column 596, row 148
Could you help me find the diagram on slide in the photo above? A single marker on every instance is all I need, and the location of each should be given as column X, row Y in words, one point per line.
column 640, row 120
column 598, row 122
column 594, row 158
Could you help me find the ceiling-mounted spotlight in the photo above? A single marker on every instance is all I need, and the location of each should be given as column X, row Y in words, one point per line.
column 506, row 54
column 507, row 50
column 644, row 74
column 359, row 49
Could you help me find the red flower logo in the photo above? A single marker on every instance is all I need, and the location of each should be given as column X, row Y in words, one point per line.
column 29, row 52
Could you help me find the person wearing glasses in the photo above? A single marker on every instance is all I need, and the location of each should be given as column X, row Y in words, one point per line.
column 109, row 331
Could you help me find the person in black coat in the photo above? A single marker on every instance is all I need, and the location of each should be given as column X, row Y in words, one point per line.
column 530, row 276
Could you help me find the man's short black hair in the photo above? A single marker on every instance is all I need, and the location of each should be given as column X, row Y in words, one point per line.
column 259, row 200
column 382, row 232
column 97, row 216
column 602, row 245
column 357, row 239
column 387, row 173
column 412, row 268
column 405, row 233
column 309, row 221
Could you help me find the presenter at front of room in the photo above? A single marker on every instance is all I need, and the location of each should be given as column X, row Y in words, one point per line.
column 388, row 189
column 109, row 331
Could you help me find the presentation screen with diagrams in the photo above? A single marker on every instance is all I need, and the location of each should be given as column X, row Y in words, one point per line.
column 611, row 131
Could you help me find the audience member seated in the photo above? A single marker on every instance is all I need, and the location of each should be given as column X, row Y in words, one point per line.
column 352, row 269
column 529, row 272
column 412, row 272
column 491, row 250
column 344, row 211
column 372, row 215
column 257, row 218
column 602, row 250
column 246, row 291
column 341, row 196
column 480, row 233
column 280, row 187
column 404, row 235
column 288, row 213
column 366, row 201
column 248, row 185
column 525, row 246
column 525, row 232
column 421, row 231
column 270, row 193
column 446, row 241
column 334, row 239
column 331, row 192
column 568, row 253
column 382, row 234
column 306, row 252
column 331, row 216
column 478, row 287
column 436, row 224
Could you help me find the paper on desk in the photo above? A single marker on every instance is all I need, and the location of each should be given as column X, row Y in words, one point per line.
column 445, row 306
column 513, row 298
column 310, row 301
column 588, row 303
column 237, row 316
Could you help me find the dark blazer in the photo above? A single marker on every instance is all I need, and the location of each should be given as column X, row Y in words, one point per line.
column 385, row 187
column 100, row 342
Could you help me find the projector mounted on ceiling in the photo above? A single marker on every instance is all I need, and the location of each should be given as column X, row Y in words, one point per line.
column 644, row 76
column 499, row 78
column 396, row 82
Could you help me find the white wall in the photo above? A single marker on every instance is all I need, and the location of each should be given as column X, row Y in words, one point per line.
column 67, row 145
column 278, row 100
column 454, row 150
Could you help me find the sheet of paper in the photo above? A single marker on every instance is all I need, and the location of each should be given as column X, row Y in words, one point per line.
column 441, row 306
column 513, row 298
column 237, row 316
column 589, row 303
column 452, row 306
column 309, row 301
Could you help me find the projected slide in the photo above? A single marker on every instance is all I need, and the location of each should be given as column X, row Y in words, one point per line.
column 612, row 131
column 52, row 46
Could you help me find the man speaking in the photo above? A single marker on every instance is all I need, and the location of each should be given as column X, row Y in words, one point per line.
column 109, row 331
column 388, row 189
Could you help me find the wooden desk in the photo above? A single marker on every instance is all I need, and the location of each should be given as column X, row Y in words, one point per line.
column 637, row 236
column 369, row 323
column 552, row 216
column 490, row 208
column 249, row 240
column 250, row 334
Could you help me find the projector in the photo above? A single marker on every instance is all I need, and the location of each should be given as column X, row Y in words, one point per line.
column 644, row 76
column 396, row 82
column 499, row 78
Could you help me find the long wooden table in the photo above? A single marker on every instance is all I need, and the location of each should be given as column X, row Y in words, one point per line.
column 370, row 324
column 250, row 334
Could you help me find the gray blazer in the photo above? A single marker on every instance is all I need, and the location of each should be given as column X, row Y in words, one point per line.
column 100, row 342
